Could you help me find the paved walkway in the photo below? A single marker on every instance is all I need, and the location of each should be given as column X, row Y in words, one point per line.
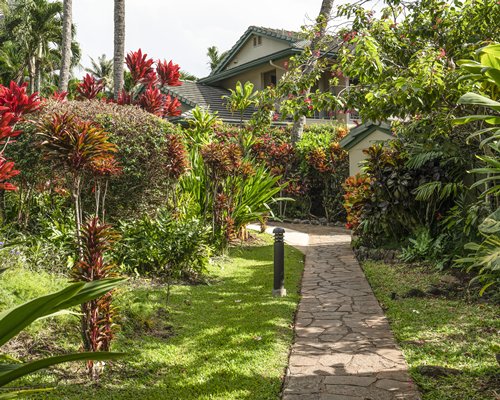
column 343, row 348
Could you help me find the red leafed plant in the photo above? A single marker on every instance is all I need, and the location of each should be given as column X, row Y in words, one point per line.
column 77, row 146
column 148, row 84
column 124, row 98
column 172, row 107
column 15, row 99
column 139, row 65
column 7, row 171
column 60, row 96
column 169, row 73
column 97, row 315
column 358, row 193
column 177, row 157
column 14, row 103
column 153, row 101
column 89, row 88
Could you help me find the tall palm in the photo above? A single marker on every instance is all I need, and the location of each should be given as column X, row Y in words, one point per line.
column 102, row 69
column 119, row 43
column 67, row 38
column 35, row 26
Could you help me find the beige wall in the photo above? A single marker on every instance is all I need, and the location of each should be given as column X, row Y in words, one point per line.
column 356, row 154
column 249, row 53
column 255, row 75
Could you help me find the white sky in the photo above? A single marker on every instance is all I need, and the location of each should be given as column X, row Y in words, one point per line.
column 182, row 30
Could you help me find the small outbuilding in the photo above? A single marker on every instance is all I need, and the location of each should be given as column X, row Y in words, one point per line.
column 362, row 137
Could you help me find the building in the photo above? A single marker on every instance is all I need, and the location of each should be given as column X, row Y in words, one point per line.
column 361, row 138
column 259, row 56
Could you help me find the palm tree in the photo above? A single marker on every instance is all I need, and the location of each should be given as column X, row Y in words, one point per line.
column 214, row 57
column 188, row 76
column 102, row 69
column 119, row 53
column 66, row 45
column 35, row 26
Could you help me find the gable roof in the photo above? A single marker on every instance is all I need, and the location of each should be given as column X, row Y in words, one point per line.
column 279, row 34
column 362, row 131
column 195, row 94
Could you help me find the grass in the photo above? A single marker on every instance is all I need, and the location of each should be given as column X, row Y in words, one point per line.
column 452, row 332
column 226, row 340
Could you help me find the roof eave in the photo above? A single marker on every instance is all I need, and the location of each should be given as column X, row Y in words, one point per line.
column 242, row 68
column 350, row 141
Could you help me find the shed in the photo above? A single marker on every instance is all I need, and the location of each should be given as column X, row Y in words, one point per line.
column 362, row 137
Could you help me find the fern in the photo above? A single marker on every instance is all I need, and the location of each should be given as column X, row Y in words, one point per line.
column 419, row 160
column 439, row 189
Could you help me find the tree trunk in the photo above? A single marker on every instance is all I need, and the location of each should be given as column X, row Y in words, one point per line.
column 119, row 55
column 66, row 46
column 31, row 74
column 38, row 75
column 320, row 28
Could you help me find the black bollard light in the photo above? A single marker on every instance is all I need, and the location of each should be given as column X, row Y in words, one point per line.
column 279, row 263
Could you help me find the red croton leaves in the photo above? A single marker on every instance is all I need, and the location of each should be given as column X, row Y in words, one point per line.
column 140, row 66
column 15, row 99
column 155, row 102
column 14, row 103
column 172, row 107
column 7, row 120
column 89, row 88
column 60, row 96
column 169, row 73
column 7, row 172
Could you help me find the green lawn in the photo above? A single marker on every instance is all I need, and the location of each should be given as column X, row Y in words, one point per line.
column 438, row 331
column 226, row 340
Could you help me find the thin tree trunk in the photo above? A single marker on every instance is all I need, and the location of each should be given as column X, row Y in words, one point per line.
column 38, row 76
column 320, row 27
column 31, row 73
column 66, row 45
column 119, row 55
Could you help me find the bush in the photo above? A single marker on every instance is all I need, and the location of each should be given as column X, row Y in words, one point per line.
column 164, row 247
column 143, row 143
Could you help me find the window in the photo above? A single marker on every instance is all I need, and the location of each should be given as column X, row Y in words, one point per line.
column 257, row 41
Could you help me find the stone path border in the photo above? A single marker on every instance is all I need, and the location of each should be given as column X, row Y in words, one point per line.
column 343, row 348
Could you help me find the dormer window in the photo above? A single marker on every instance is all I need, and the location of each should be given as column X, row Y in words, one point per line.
column 257, row 41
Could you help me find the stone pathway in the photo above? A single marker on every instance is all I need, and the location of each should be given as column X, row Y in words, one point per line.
column 344, row 348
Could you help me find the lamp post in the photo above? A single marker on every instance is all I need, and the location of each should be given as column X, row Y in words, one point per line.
column 279, row 263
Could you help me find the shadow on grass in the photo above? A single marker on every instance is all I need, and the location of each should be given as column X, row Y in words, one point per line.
column 230, row 340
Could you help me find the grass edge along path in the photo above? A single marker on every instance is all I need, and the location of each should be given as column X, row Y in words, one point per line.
column 440, row 331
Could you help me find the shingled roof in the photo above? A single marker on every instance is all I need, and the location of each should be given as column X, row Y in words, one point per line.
column 194, row 94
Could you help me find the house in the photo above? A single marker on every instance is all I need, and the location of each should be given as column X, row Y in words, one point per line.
column 259, row 56
column 362, row 137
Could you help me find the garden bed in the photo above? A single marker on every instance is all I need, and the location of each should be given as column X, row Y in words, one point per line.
column 449, row 339
column 225, row 340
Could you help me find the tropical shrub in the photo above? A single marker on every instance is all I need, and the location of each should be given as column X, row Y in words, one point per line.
column 97, row 319
column 484, row 256
column 164, row 247
column 357, row 194
column 325, row 163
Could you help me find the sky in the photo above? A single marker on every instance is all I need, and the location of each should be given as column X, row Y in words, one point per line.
column 182, row 30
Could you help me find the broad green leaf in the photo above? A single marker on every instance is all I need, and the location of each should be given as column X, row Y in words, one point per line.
column 21, row 370
column 479, row 100
column 489, row 119
column 16, row 319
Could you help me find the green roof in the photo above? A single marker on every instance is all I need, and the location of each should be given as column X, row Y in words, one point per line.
column 362, row 131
